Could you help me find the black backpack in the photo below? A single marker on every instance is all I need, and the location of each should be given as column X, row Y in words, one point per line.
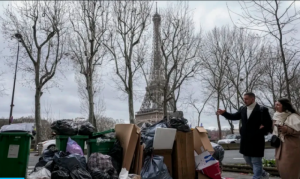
column 269, row 128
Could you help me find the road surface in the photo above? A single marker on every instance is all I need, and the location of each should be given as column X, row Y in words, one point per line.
column 233, row 156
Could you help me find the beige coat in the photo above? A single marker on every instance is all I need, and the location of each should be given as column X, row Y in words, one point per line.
column 288, row 155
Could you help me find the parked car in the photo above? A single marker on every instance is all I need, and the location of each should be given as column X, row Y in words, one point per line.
column 231, row 138
column 268, row 138
column 47, row 144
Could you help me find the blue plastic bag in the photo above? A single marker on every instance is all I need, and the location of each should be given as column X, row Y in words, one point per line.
column 73, row 147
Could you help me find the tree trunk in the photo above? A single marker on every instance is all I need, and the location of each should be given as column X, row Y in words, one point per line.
column 165, row 108
column 38, row 115
column 90, row 91
column 218, row 117
column 282, row 54
column 130, row 99
column 38, row 93
column 199, row 119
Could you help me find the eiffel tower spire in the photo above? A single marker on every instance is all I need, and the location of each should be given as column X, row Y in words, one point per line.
column 152, row 106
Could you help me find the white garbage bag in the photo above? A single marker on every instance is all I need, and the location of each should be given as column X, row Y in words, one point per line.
column 41, row 174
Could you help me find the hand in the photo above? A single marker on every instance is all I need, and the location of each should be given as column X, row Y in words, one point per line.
column 261, row 126
column 220, row 112
column 282, row 129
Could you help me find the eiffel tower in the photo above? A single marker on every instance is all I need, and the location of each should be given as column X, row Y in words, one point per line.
column 151, row 110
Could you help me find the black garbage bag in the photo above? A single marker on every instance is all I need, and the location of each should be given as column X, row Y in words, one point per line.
column 86, row 128
column 38, row 166
column 50, row 165
column 116, row 153
column 154, row 168
column 80, row 173
column 48, row 154
column 218, row 154
column 181, row 124
column 61, row 173
column 64, row 127
column 70, row 162
column 147, row 134
column 98, row 174
column 145, row 125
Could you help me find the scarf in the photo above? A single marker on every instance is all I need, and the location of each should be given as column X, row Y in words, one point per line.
column 289, row 119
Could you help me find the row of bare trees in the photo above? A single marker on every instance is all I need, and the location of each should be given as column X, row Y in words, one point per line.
column 240, row 59
column 92, row 34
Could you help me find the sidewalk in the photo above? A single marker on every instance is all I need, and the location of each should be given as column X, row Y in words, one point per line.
column 240, row 175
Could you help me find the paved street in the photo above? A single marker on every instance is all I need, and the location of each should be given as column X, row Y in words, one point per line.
column 233, row 156
column 231, row 175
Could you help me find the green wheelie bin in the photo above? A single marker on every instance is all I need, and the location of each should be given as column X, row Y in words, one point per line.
column 14, row 155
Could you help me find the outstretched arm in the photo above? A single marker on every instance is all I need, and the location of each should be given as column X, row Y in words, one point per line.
column 232, row 116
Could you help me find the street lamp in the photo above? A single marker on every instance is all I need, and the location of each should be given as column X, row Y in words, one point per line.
column 18, row 37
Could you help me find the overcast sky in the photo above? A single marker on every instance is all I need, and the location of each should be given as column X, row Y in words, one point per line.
column 65, row 102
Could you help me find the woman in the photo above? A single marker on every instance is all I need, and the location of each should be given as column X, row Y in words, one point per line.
column 287, row 127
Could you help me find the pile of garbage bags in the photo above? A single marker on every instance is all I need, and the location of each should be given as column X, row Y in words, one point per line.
column 69, row 127
column 72, row 164
column 174, row 120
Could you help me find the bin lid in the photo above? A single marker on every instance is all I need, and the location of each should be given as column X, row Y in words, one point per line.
column 16, row 133
column 74, row 136
column 98, row 134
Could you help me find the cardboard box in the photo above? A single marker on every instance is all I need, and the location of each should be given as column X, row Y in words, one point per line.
column 201, row 141
column 163, row 143
column 167, row 154
column 128, row 135
column 183, row 156
column 139, row 159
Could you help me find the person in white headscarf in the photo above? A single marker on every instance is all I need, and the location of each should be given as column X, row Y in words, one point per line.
column 287, row 128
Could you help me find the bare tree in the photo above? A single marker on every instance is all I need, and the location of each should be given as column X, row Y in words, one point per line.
column 199, row 105
column 89, row 21
column 245, row 53
column 46, row 122
column 277, row 19
column 180, row 48
column 106, row 123
column 41, row 25
column 273, row 83
column 129, row 24
column 99, row 106
column 215, row 62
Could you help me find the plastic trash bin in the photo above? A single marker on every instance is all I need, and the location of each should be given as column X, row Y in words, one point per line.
column 62, row 140
column 14, row 155
column 102, row 145
column 100, row 134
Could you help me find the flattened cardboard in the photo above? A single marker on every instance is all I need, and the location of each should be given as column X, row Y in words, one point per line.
column 201, row 141
column 183, row 156
column 128, row 135
column 167, row 154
